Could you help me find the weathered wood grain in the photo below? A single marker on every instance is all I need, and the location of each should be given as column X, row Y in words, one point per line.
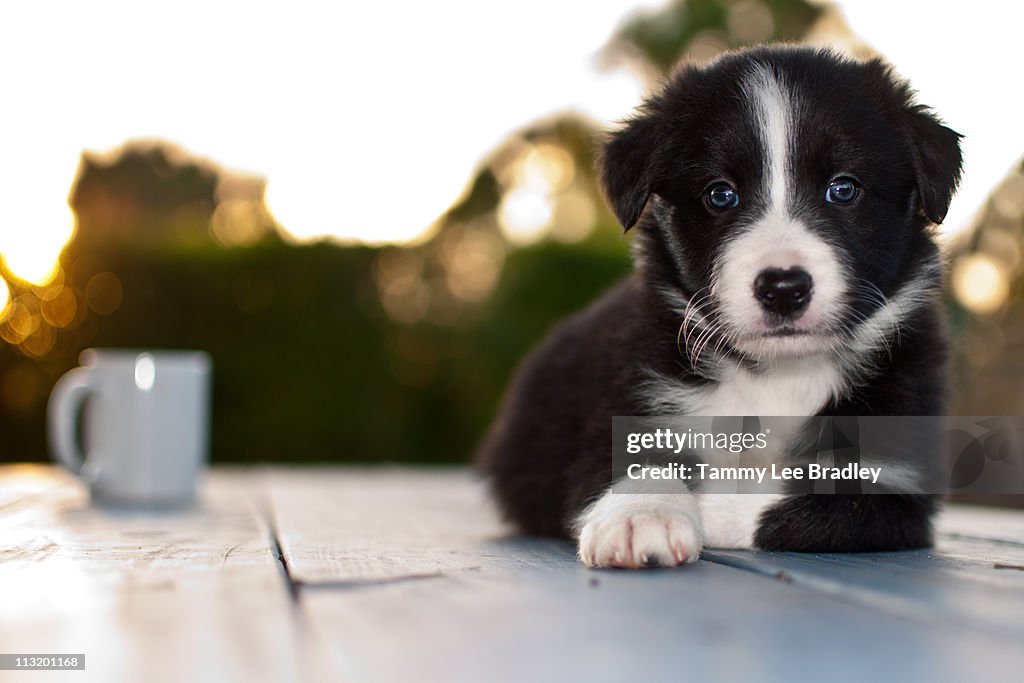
column 405, row 575
column 701, row 622
column 376, row 524
column 196, row 595
column 982, row 522
column 23, row 481
column 929, row 586
column 399, row 574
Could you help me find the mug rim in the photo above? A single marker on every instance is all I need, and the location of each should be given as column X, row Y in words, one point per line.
column 114, row 356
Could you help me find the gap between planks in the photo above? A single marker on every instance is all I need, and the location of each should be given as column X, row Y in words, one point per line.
column 347, row 529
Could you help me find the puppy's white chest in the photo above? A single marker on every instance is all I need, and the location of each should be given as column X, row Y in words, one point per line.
column 795, row 387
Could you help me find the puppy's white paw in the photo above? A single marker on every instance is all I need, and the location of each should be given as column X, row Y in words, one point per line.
column 638, row 533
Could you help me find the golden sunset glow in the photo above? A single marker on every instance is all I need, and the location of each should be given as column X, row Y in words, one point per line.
column 348, row 154
column 33, row 236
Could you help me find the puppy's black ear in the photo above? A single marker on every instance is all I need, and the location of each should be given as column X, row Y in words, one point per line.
column 628, row 168
column 937, row 162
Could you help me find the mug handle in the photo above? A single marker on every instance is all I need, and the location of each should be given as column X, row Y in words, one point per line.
column 62, row 412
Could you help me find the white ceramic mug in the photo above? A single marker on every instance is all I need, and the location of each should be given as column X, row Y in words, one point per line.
column 145, row 424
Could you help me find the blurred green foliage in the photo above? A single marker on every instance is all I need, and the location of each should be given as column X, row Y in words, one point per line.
column 326, row 351
column 307, row 364
column 659, row 38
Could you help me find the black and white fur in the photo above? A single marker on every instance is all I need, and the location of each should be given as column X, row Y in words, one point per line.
column 689, row 332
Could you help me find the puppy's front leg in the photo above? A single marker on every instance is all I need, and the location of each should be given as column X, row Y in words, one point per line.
column 731, row 520
column 637, row 530
column 665, row 529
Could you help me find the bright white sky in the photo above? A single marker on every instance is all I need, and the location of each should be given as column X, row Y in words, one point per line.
column 367, row 118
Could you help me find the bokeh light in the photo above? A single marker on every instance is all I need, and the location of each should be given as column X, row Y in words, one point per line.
column 575, row 216
column 751, row 21
column 525, row 214
column 473, row 264
column 545, row 167
column 980, row 283
column 405, row 295
column 104, row 292
column 536, row 180
column 59, row 305
column 5, row 297
column 1008, row 200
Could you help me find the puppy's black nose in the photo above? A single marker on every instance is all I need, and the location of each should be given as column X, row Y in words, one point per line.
column 784, row 292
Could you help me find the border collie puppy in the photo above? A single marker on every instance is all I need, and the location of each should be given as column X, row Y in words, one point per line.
column 784, row 200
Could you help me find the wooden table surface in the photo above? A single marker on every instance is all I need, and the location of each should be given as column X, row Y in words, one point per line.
column 397, row 574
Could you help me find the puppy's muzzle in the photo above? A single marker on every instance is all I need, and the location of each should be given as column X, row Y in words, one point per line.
column 783, row 292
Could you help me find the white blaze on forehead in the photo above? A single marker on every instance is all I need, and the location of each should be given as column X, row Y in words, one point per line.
column 775, row 238
column 772, row 111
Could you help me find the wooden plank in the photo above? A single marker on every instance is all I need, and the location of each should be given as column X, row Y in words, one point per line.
column 700, row 622
column 968, row 578
column 968, row 581
column 22, row 481
column 982, row 522
column 406, row 576
column 195, row 595
column 378, row 524
column 915, row 585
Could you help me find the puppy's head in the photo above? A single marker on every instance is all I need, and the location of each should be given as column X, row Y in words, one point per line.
column 791, row 193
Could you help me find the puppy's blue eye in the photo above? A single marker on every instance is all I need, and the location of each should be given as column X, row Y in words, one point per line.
column 722, row 196
column 842, row 191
